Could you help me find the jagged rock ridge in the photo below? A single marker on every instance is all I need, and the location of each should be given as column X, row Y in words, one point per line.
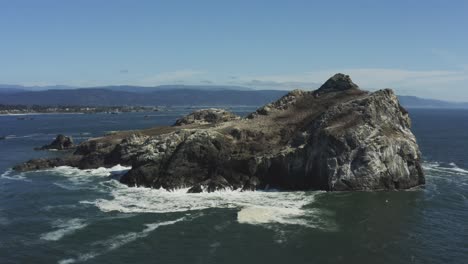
column 335, row 138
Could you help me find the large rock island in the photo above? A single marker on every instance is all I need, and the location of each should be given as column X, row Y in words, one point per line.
column 335, row 138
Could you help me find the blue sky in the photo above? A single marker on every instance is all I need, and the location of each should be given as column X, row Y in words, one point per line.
column 414, row 47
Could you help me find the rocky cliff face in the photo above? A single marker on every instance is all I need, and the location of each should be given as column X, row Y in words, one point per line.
column 335, row 138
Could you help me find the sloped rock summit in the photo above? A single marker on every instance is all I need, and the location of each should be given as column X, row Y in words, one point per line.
column 336, row 138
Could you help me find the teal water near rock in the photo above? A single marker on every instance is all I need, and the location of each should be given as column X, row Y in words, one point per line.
column 66, row 215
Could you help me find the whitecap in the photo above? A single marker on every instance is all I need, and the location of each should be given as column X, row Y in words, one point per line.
column 64, row 228
column 12, row 175
column 117, row 241
column 458, row 169
column 23, row 136
column 437, row 167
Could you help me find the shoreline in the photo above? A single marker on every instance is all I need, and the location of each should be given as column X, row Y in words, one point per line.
column 55, row 113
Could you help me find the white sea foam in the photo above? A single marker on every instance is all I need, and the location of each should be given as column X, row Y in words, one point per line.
column 24, row 136
column 12, row 175
column 458, row 169
column 80, row 177
column 437, row 167
column 62, row 206
column 265, row 215
column 75, row 175
column 255, row 207
column 117, row 242
column 64, row 228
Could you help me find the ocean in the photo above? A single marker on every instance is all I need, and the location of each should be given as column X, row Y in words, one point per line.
column 65, row 215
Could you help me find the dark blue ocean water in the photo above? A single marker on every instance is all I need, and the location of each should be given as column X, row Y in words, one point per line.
column 65, row 215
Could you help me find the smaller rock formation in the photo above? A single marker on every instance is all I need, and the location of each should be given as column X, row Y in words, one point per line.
column 61, row 142
column 206, row 116
column 337, row 83
column 46, row 163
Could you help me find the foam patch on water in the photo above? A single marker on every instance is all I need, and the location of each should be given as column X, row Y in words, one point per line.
column 265, row 215
column 255, row 207
column 24, row 136
column 81, row 177
column 117, row 242
column 12, row 175
column 452, row 168
column 76, row 176
column 458, row 169
column 64, row 228
column 62, row 206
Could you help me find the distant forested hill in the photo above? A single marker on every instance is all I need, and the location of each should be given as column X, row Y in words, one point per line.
column 177, row 97
column 171, row 95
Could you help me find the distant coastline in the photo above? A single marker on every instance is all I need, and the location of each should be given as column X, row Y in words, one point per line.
column 170, row 96
column 19, row 110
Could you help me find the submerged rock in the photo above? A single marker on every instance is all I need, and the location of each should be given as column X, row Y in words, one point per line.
column 335, row 138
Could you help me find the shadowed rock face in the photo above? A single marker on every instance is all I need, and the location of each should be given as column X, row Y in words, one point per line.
column 339, row 82
column 335, row 138
column 61, row 142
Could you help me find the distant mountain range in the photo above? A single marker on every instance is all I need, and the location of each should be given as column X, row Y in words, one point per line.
column 166, row 95
column 417, row 102
column 120, row 96
column 12, row 88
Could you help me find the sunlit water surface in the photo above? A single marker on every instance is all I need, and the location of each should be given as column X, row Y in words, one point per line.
column 66, row 215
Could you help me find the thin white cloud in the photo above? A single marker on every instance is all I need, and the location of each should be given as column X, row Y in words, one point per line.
column 375, row 78
column 271, row 84
column 170, row 77
column 394, row 78
column 440, row 84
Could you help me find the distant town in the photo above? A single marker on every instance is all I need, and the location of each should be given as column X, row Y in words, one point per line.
column 39, row 109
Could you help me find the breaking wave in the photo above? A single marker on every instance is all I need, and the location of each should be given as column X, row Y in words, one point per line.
column 255, row 207
column 80, row 177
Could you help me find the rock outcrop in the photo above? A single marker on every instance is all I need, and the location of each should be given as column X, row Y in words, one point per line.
column 61, row 142
column 206, row 116
column 336, row 138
